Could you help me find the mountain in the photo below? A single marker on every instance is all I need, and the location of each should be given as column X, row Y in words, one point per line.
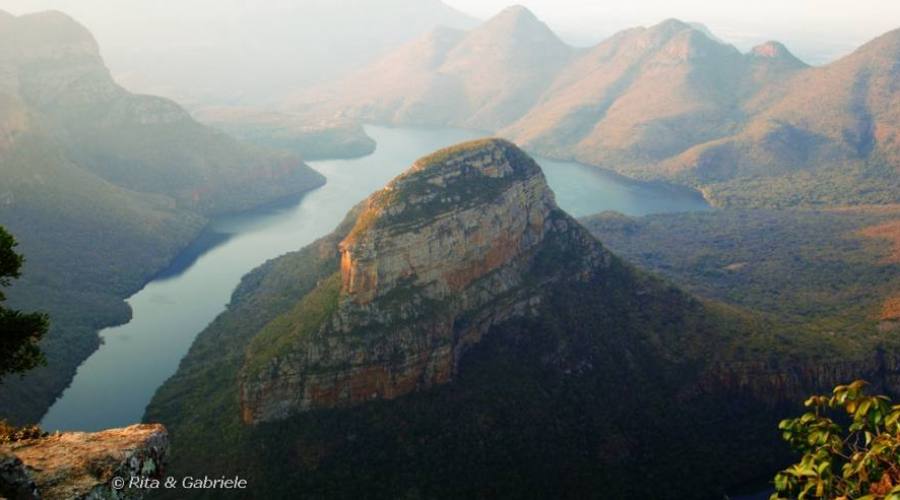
column 459, row 335
column 240, row 52
column 828, row 134
column 666, row 102
column 103, row 188
column 481, row 79
column 645, row 95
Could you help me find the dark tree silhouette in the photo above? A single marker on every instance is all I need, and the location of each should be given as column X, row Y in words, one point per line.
column 19, row 332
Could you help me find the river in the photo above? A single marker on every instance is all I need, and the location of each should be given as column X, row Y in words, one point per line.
column 113, row 386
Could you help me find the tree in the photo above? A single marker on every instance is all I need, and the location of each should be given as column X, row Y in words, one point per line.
column 19, row 332
column 862, row 463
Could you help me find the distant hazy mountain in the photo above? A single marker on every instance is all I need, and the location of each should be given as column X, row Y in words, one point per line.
column 645, row 95
column 669, row 101
column 482, row 79
column 103, row 187
column 244, row 51
column 828, row 134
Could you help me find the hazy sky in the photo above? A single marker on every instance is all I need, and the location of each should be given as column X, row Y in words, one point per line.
column 817, row 30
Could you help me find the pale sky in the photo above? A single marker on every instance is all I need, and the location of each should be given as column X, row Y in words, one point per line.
column 818, row 31
column 815, row 30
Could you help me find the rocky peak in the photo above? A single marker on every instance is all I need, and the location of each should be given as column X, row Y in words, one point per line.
column 430, row 263
column 769, row 50
column 453, row 217
column 775, row 51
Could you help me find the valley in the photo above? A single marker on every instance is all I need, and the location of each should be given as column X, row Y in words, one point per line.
column 405, row 253
column 170, row 310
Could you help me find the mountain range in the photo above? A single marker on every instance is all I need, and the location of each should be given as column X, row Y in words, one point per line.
column 665, row 102
column 103, row 187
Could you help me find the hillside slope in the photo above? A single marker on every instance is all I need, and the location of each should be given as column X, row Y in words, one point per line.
column 646, row 95
column 827, row 135
column 103, row 188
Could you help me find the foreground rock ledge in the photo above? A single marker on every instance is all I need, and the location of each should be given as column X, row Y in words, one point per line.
column 82, row 465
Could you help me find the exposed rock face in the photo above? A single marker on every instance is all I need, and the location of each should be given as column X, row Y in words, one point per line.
column 461, row 241
column 433, row 261
column 82, row 465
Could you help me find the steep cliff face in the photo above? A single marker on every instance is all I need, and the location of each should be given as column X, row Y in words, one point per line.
column 80, row 465
column 431, row 262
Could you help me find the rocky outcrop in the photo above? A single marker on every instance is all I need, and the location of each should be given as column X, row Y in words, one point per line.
column 426, row 229
column 83, row 465
column 432, row 262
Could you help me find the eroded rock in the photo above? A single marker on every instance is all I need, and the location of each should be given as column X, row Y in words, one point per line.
column 78, row 465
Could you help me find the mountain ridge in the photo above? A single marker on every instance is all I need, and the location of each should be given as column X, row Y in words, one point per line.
column 668, row 102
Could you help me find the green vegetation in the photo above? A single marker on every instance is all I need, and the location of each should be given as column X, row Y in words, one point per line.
column 849, row 183
column 305, row 319
column 859, row 463
column 802, row 267
column 20, row 333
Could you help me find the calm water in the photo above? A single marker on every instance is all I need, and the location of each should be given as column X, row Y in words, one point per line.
column 112, row 387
